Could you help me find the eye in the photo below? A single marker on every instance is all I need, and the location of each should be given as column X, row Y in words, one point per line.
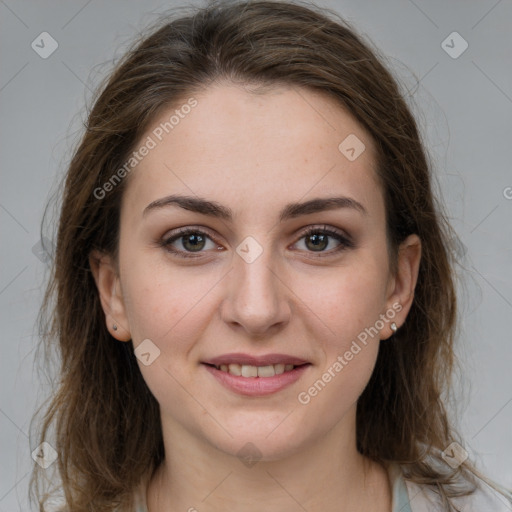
column 318, row 239
column 192, row 241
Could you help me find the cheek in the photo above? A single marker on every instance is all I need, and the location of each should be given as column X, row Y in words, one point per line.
column 346, row 300
column 348, row 303
column 160, row 302
column 167, row 308
column 172, row 308
column 348, row 357
column 334, row 391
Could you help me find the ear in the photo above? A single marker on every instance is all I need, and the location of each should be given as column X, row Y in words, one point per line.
column 109, row 288
column 400, row 294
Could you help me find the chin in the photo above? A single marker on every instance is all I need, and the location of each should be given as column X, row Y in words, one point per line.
column 258, row 446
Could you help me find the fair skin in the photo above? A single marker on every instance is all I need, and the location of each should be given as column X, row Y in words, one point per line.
column 255, row 153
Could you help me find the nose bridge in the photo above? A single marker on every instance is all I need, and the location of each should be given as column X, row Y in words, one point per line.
column 254, row 273
column 256, row 299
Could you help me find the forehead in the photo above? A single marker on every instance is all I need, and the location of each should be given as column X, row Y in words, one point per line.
column 253, row 149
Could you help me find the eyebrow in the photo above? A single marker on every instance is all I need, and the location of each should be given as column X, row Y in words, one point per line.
column 290, row 211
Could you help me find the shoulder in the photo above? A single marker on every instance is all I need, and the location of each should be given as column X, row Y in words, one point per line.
column 424, row 498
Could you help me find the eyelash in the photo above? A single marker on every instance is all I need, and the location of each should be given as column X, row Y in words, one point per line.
column 345, row 243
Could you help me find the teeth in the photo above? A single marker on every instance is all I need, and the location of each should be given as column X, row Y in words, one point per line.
column 246, row 370
column 265, row 371
column 235, row 369
column 249, row 371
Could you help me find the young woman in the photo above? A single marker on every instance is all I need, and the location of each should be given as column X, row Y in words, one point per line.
column 254, row 298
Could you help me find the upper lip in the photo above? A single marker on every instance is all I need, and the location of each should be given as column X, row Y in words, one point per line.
column 263, row 360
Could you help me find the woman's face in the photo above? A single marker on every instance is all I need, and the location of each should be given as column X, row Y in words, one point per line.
column 249, row 285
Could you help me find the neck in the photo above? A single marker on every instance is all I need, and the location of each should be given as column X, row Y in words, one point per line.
column 328, row 475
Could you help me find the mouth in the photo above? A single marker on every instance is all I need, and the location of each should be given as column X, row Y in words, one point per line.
column 247, row 370
column 256, row 375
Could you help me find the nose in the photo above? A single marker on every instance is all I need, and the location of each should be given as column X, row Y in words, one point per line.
column 257, row 298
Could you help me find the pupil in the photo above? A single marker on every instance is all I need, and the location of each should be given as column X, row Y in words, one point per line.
column 318, row 239
column 195, row 245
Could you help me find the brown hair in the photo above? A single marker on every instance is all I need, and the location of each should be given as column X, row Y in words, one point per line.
column 107, row 424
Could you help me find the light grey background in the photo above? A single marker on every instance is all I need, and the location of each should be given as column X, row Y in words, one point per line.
column 464, row 106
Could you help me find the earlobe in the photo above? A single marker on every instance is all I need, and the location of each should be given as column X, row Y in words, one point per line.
column 109, row 290
column 403, row 284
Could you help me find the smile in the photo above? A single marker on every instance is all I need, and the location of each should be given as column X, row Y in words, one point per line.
column 256, row 381
column 247, row 370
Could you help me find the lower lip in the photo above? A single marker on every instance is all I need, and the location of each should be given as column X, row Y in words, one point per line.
column 257, row 386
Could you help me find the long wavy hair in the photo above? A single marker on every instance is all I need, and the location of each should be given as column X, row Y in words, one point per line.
column 101, row 419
